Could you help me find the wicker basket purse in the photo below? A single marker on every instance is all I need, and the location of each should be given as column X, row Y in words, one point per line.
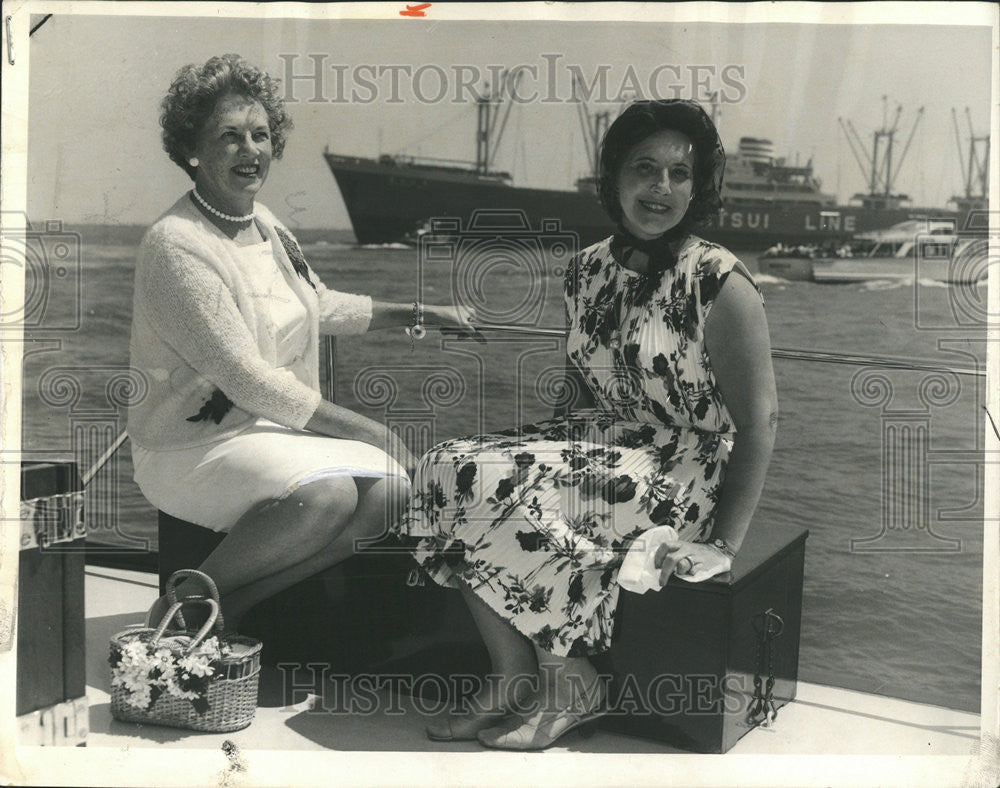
column 206, row 681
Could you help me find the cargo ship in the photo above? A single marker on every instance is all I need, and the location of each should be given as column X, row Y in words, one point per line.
column 766, row 200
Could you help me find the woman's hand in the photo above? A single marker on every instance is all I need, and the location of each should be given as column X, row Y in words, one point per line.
column 391, row 314
column 339, row 422
column 691, row 561
column 449, row 316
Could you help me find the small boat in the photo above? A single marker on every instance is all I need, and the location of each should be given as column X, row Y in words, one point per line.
column 914, row 250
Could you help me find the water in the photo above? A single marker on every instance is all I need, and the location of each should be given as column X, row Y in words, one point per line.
column 897, row 613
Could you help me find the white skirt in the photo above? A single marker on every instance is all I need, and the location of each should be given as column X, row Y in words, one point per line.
column 216, row 484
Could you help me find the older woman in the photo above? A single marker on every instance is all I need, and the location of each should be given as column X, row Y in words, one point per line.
column 673, row 424
column 233, row 434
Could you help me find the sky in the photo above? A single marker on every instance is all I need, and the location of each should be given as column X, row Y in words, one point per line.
column 96, row 83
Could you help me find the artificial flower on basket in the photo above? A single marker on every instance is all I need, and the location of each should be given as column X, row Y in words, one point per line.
column 146, row 670
column 204, row 681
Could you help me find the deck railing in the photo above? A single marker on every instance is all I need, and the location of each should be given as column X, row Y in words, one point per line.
column 130, row 558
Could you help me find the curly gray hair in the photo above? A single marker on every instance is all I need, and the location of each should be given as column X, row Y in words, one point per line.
column 193, row 95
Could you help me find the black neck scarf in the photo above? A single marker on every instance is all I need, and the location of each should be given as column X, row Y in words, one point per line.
column 656, row 255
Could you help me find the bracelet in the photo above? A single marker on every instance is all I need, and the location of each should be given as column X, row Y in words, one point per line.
column 720, row 544
column 416, row 329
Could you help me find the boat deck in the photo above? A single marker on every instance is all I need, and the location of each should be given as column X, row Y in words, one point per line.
column 821, row 721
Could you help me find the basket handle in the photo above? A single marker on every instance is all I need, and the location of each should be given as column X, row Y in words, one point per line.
column 214, row 620
column 171, row 584
column 180, row 574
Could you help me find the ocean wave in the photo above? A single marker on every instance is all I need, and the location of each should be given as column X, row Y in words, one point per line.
column 386, row 246
column 895, row 284
column 886, row 284
column 768, row 279
column 316, row 245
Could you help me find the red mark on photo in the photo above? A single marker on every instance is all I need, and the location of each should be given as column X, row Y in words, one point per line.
column 415, row 10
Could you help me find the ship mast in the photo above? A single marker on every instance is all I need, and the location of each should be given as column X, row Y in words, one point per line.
column 977, row 174
column 484, row 108
column 487, row 114
column 716, row 112
column 879, row 172
column 594, row 126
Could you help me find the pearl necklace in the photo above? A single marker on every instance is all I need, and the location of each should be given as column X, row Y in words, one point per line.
column 220, row 214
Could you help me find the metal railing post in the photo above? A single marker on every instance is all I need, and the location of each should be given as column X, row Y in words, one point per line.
column 328, row 358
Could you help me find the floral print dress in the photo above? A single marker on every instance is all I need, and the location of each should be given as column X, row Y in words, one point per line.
column 536, row 519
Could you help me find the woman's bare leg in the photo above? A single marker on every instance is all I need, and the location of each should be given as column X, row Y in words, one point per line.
column 566, row 682
column 513, row 674
column 558, row 682
column 278, row 543
column 512, row 658
column 378, row 498
column 282, row 533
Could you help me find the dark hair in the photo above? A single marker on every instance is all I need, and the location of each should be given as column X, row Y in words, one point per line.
column 641, row 120
column 193, row 95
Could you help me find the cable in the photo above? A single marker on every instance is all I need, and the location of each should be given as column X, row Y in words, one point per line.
column 461, row 112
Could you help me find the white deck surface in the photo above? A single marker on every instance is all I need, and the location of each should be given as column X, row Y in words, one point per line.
column 822, row 720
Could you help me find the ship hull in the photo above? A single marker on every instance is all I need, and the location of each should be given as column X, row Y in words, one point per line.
column 389, row 202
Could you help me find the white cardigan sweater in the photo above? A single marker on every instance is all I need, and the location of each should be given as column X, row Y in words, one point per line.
column 196, row 330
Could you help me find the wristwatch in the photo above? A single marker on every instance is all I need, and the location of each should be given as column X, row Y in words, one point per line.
column 725, row 548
